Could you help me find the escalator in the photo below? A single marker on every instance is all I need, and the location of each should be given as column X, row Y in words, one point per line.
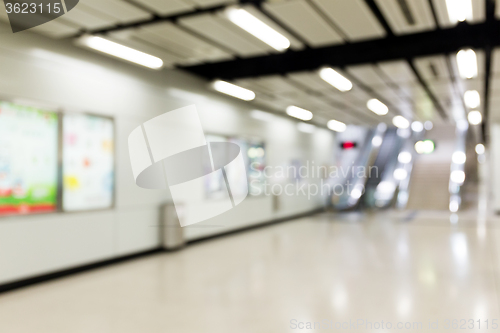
column 354, row 182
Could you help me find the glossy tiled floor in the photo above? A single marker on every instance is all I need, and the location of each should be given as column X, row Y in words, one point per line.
column 400, row 268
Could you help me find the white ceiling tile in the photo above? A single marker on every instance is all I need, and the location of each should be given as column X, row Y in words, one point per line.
column 197, row 47
column 389, row 95
column 309, row 80
column 419, row 11
column 277, row 84
column 300, row 17
column 56, row 29
column 251, row 83
column 398, row 71
column 495, row 60
column 353, row 17
column 495, row 86
column 413, row 91
column 478, row 13
column 432, row 68
column 212, row 3
column 366, row 74
column 445, row 92
column 472, row 84
column 213, row 27
column 275, row 104
column 182, row 54
column 167, row 7
column 88, row 18
column 121, row 11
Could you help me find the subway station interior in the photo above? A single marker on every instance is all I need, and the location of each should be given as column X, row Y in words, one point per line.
column 249, row 166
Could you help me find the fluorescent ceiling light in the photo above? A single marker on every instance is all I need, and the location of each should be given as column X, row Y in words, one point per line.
column 377, row 141
column 457, row 176
column 299, row 113
column 377, row 107
column 454, row 206
column 121, row 51
column 400, row 122
column 335, row 79
column 475, row 117
column 257, row 28
column 467, row 63
column 336, row 126
column 233, row 90
column 472, row 99
column 459, row 157
column 404, row 157
column 424, row 147
column 459, row 10
column 462, row 125
column 386, row 187
column 306, row 128
column 480, row 149
column 261, row 115
column 417, row 126
column 400, row 174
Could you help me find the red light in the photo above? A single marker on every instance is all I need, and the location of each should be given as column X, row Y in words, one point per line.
column 348, row 145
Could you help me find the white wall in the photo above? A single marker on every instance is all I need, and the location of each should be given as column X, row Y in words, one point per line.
column 494, row 166
column 54, row 72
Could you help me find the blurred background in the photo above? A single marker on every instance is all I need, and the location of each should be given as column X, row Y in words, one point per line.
column 370, row 137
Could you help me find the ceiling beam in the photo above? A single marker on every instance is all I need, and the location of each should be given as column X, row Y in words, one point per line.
column 477, row 36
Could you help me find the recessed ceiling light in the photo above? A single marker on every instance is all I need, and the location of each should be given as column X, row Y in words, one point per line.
column 336, row 126
column 400, row 122
column 335, row 79
column 475, row 117
column 467, row 63
column 400, row 174
column 459, row 157
column 257, row 28
column 457, row 176
column 480, row 149
column 417, row 126
column 459, row 10
column 377, row 107
column 404, row 157
column 121, row 51
column 299, row 113
column 233, row 90
column 472, row 99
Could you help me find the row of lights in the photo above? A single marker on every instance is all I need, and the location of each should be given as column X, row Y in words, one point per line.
column 468, row 69
column 458, row 10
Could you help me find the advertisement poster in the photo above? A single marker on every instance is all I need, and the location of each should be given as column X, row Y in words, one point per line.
column 28, row 160
column 88, row 162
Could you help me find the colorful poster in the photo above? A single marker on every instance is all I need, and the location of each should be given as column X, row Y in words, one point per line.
column 28, row 159
column 88, row 162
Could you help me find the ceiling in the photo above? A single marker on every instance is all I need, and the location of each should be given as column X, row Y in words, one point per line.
column 402, row 52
